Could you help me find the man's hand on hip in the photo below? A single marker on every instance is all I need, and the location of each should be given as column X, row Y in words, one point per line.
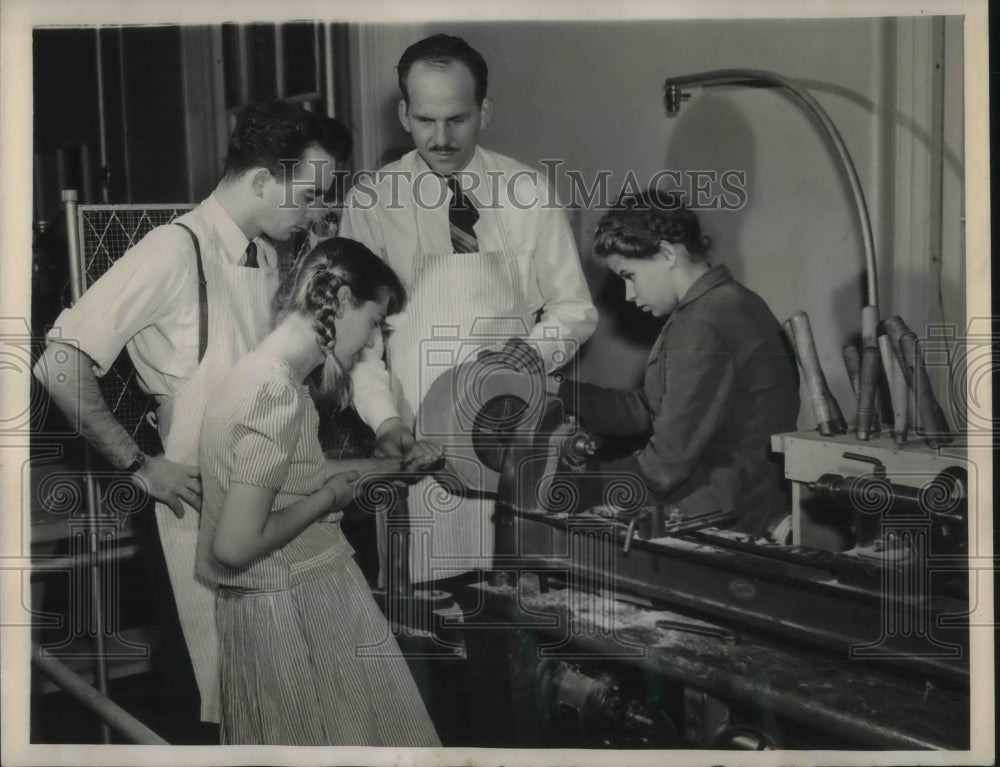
column 393, row 439
column 170, row 483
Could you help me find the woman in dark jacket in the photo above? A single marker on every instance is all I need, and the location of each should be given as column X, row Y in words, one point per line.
column 720, row 379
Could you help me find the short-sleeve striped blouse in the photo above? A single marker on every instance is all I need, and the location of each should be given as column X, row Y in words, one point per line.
column 261, row 428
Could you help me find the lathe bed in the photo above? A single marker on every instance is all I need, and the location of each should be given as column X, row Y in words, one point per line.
column 832, row 600
column 801, row 698
column 633, row 625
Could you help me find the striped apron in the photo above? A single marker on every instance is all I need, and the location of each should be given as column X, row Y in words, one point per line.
column 459, row 304
column 239, row 316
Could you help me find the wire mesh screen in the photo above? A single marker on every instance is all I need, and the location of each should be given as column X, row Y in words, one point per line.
column 106, row 233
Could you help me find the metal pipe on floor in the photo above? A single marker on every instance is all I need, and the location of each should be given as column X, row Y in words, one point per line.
column 106, row 709
column 43, row 565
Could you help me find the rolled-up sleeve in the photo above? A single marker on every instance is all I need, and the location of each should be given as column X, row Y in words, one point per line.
column 372, row 393
column 136, row 291
column 568, row 316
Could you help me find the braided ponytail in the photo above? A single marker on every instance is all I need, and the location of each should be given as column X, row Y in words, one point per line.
column 312, row 289
column 323, row 304
column 330, row 385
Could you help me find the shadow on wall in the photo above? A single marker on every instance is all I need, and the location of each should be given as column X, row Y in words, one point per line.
column 712, row 146
column 711, row 160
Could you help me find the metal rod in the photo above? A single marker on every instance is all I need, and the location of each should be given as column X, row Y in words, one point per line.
column 101, row 127
column 331, row 110
column 85, row 171
column 76, row 268
column 69, row 197
column 243, row 56
column 38, row 174
column 756, row 77
column 183, row 206
column 62, row 175
column 279, row 62
column 41, row 565
column 121, row 78
column 107, row 710
column 96, row 592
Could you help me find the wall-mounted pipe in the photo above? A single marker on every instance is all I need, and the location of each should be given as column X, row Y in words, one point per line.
column 674, row 97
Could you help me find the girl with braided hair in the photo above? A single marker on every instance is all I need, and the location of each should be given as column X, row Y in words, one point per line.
column 719, row 382
column 306, row 656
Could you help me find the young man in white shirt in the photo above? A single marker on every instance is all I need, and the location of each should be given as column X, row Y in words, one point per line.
column 280, row 161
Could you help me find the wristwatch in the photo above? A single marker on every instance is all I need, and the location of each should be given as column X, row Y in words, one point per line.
column 138, row 461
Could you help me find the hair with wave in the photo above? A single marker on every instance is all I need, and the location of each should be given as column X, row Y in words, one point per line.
column 440, row 51
column 275, row 135
column 638, row 223
column 311, row 290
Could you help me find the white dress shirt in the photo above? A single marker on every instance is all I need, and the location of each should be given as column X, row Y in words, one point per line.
column 381, row 212
column 148, row 301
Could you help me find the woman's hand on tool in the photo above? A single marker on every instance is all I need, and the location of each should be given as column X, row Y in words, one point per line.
column 423, row 456
column 393, row 439
column 343, row 486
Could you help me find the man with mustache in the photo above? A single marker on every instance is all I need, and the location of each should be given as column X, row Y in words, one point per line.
column 485, row 253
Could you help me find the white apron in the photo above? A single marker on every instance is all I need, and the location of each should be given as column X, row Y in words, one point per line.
column 459, row 304
column 239, row 316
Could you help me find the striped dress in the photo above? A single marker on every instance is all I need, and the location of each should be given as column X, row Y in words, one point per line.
column 307, row 658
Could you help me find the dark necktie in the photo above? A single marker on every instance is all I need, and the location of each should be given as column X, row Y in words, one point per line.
column 462, row 215
column 251, row 255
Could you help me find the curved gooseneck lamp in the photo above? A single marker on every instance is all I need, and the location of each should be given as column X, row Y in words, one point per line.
column 674, row 96
column 754, row 78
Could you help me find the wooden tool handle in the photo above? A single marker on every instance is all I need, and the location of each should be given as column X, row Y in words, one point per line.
column 869, row 338
column 929, row 420
column 895, row 329
column 899, row 392
column 869, row 326
column 829, row 419
column 790, row 333
column 852, row 363
column 868, row 417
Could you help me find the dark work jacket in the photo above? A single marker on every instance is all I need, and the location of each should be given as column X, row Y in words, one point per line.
column 720, row 380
